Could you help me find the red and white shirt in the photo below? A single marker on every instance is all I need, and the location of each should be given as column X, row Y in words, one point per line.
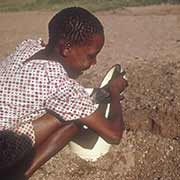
column 29, row 89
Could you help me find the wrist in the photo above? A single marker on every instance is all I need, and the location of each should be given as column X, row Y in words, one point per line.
column 114, row 93
column 117, row 97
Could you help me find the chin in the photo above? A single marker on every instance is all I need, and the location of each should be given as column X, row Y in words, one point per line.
column 75, row 75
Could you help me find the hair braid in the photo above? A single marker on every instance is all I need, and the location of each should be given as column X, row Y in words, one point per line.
column 74, row 25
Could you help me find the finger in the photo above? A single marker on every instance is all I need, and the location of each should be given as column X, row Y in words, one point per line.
column 122, row 73
column 121, row 97
column 124, row 77
column 125, row 82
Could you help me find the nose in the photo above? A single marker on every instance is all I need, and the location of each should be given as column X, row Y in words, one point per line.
column 93, row 62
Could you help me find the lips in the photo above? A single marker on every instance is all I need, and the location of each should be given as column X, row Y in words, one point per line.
column 86, row 68
column 81, row 72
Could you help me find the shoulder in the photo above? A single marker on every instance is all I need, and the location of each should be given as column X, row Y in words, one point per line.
column 55, row 70
column 26, row 49
column 30, row 43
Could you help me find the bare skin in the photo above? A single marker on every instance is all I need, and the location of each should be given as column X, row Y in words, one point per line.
column 51, row 137
column 51, row 133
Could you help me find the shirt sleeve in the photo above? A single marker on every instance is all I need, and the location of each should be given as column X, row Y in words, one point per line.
column 69, row 100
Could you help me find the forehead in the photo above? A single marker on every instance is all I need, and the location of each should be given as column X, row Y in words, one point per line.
column 91, row 46
column 96, row 41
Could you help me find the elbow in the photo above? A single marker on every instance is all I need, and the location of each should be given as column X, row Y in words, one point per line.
column 116, row 137
column 116, row 141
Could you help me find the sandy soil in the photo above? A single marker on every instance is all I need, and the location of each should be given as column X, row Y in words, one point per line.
column 146, row 42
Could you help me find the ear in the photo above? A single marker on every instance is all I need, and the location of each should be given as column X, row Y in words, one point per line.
column 67, row 50
column 64, row 48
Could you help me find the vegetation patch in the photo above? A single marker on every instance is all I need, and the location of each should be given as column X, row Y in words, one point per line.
column 93, row 5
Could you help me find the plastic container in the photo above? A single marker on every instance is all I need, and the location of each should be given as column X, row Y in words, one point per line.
column 87, row 144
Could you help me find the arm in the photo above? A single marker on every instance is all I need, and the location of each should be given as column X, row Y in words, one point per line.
column 111, row 130
column 53, row 144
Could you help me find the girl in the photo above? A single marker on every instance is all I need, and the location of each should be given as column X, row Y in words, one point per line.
column 42, row 107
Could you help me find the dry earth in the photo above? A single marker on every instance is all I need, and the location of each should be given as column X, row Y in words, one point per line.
column 146, row 42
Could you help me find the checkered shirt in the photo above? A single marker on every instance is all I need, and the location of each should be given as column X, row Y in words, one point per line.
column 29, row 89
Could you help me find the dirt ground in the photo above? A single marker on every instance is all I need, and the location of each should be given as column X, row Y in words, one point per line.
column 146, row 42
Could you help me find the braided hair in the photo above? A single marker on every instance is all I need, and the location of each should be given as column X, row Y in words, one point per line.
column 74, row 25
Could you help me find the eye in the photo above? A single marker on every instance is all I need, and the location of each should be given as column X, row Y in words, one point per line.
column 91, row 56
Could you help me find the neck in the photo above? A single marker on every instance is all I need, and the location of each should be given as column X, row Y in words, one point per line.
column 54, row 56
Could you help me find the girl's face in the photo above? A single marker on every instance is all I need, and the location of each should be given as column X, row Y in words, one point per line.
column 81, row 58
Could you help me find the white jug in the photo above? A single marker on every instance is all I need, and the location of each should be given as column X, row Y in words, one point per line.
column 87, row 144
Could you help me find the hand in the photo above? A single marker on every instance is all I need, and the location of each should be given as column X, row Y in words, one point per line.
column 117, row 85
